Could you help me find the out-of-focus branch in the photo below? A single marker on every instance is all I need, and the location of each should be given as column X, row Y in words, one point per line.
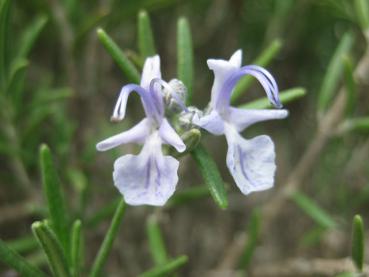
column 305, row 267
column 326, row 128
column 67, row 40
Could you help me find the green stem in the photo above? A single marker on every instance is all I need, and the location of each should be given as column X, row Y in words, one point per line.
column 18, row 263
column 107, row 244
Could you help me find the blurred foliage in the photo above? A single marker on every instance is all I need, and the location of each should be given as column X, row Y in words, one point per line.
column 58, row 82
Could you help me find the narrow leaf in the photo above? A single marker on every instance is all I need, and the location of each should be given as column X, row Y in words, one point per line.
column 4, row 41
column 312, row 209
column 333, row 73
column 12, row 259
column 119, row 57
column 358, row 243
column 357, row 125
column 52, row 248
column 211, row 175
column 107, row 244
column 54, row 196
column 156, row 242
column 262, row 60
column 76, row 248
column 253, row 232
column 350, row 85
column 16, row 79
column 286, row 97
column 30, row 35
column 185, row 67
column 362, row 13
column 145, row 37
column 167, row 268
column 24, row 244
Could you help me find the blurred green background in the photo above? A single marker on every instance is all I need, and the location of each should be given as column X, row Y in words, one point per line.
column 59, row 85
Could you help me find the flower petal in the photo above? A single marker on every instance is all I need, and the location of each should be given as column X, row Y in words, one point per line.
column 137, row 134
column 169, row 136
column 250, row 162
column 151, row 70
column 213, row 122
column 236, row 58
column 242, row 118
column 146, row 179
column 222, row 71
column 261, row 74
column 147, row 102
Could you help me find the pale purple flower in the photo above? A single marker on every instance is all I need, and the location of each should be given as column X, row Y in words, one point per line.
column 150, row 177
column 250, row 162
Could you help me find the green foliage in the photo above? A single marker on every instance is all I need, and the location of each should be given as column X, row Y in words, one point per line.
column 107, row 244
column 156, row 241
column 312, row 209
column 146, row 43
column 4, row 41
column 166, row 268
column 333, row 72
column 54, row 196
column 119, row 57
column 356, row 125
column 350, row 84
column 362, row 13
column 253, row 234
column 52, row 248
column 76, row 251
column 185, row 64
column 29, row 36
column 211, row 176
column 358, row 242
column 286, row 97
column 15, row 261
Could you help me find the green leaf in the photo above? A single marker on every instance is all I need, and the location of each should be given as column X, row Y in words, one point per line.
column 76, row 248
column 29, row 36
column 167, row 268
column 146, row 43
column 211, row 176
column 362, row 13
column 12, row 259
column 285, row 96
column 358, row 243
column 156, row 242
column 24, row 244
column 107, row 244
column 188, row 195
column 262, row 60
column 16, row 79
column 253, row 233
column 185, row 67
column 350, row 85
column 4, row 41
column 54, row 196
column 333, row 73
column 52, row 248
column 119, row 57
column 357, row 125
column 312, row 209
